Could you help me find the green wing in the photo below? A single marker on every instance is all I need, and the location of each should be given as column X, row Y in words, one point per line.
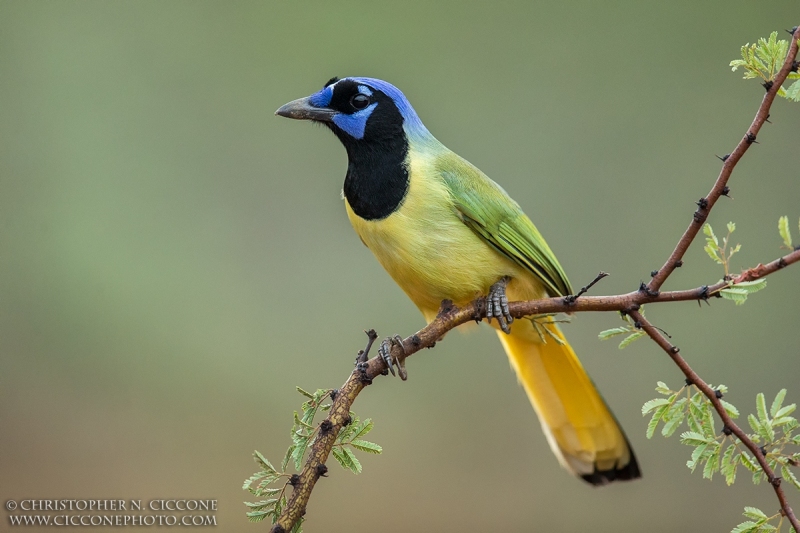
column 488, row 210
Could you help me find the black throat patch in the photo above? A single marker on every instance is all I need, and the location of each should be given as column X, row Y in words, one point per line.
column 377, row 176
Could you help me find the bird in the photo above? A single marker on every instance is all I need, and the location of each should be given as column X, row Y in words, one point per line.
column 443, row 230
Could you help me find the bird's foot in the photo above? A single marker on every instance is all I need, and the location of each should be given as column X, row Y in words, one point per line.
column 497, row 305
column 385, row 351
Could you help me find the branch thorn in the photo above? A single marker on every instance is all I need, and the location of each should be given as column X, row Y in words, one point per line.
column 724, row 157
column 570, row 299
column 645, row 289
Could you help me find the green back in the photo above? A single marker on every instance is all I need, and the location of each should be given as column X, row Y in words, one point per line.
column 488, row 210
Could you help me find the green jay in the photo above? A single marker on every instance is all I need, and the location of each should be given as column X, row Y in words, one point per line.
column 443, row 230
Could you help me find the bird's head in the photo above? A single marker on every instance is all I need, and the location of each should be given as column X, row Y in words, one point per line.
column 360, row 111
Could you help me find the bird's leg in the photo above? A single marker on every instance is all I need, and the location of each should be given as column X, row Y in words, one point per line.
column 385, row 351
column 497, row 305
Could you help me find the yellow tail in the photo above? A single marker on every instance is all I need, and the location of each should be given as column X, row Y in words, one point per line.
column 581, row 430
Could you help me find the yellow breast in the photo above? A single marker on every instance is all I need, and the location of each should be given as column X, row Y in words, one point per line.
column 428, row 250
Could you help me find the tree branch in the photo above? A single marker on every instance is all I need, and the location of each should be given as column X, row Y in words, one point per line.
column 714, row 398
column 451, row 316
column 704, row 205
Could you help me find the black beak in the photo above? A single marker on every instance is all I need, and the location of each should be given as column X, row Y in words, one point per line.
column 301, row 109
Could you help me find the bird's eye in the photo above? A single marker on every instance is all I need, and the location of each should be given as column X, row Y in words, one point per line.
column 359, row 101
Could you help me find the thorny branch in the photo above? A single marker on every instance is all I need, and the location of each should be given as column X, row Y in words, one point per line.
column 451, row 316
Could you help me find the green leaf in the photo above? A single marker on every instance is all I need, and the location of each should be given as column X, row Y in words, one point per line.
column 731, row 409
column 711, row 250
column 755, row 513
column 651, row 426
column 697, row 456
column 259, row 506
column 670, row 427
column 287, row 457
column 338, row 454
column 630, row 338
column 783, row 229
column 692, row 438
column 750, row 463
column 751, row 286
column 301, row 445
column 258, row 516
column 662, row 388
column 300, row 423
column 777, row 403
column 729, row 464
column 608, row 333
column 754, row 424
column 353, row 460
column 712, row 464
column 298, row 526
column 738, row 296
column 650, row 405
column 731, row 227
column 346, row 458
column 305, row 393
column 788, row 474
column 363, row 428
column 708, row 421
column 766, row 424
column 793, row 92
column 366, row 446
column 710, row 233
column 261, row 460
column 786, row 410
column 255, row 477
column 347, row 432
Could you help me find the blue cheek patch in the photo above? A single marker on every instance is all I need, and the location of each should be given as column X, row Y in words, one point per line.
column 355, row 124
column 322, row 98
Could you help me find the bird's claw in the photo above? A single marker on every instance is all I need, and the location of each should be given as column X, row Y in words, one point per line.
column 385, row 351
column 497, row 305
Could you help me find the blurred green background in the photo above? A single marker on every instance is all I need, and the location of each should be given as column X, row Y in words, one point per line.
column 174, row 259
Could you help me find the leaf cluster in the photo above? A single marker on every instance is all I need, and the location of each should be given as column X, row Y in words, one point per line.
column 759, row 522
column 275, row 503
column 632, row 331
column 773, row 430
column 304, row 431
column 351, row 437
column 721, row 254
column 763, row 60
